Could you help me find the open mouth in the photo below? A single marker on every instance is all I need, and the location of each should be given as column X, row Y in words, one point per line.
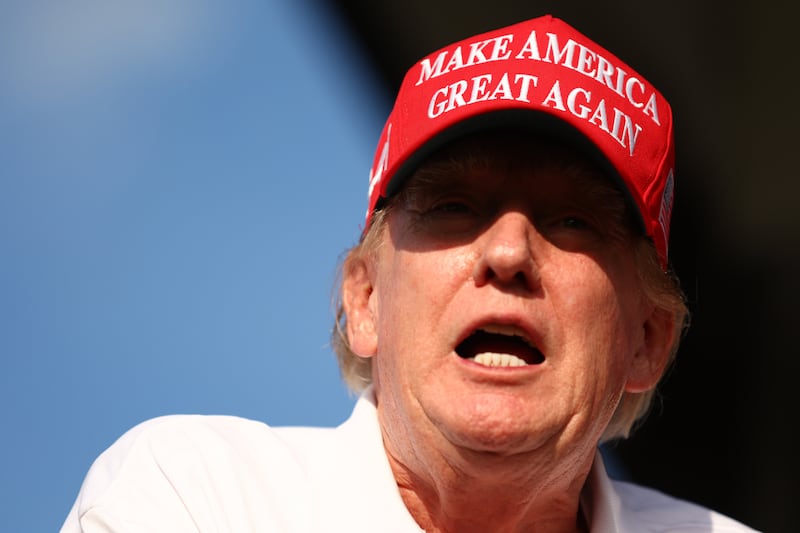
column 499, row 347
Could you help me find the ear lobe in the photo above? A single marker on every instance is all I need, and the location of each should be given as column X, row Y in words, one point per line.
column 357, row 290
column 650, row 362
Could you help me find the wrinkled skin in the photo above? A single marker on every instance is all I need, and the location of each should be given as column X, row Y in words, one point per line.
column 518, row 248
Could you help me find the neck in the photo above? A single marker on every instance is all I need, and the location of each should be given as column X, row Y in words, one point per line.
column 492, row 494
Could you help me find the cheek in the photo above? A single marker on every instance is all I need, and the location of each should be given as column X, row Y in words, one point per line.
column 426, row 277
column 415, row 297
column 597, row 322
column 583, row 294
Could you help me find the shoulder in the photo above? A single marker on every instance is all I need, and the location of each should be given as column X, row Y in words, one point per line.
column 179, row 439
column 185, row 469
column 619, row 506
column 652, row 510
column 177, row 442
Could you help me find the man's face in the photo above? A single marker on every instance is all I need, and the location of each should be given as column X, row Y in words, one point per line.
column 503, row 308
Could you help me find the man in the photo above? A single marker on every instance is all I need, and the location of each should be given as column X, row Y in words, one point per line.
column 507, row 309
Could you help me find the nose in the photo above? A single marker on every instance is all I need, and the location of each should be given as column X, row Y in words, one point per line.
column 506, row 253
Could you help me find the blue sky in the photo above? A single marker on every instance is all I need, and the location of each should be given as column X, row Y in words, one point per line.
column 179, row 178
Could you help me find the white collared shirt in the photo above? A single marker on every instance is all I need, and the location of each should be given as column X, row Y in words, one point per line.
column 228, row 474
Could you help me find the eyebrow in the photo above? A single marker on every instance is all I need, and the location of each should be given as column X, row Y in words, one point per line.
column 433, row 180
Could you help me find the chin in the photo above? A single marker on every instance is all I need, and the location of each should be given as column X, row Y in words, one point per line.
column 491, row 428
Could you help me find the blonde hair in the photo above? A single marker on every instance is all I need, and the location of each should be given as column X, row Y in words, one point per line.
column 661, row 288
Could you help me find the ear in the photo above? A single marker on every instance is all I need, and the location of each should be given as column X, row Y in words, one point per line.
column 357, row 296
column 650, row 362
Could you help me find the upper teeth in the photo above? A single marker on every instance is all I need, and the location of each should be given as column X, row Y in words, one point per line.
column 498, row 359
column 502, row 329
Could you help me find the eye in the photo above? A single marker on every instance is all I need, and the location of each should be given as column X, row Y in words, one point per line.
column 450, row 207
column 450, row 217
column 572, row 230
column 575, row 222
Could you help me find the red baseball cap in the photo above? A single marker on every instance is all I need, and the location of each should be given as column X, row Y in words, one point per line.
column 542, row 75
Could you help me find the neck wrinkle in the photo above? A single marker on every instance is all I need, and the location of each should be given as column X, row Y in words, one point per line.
column 463, row 503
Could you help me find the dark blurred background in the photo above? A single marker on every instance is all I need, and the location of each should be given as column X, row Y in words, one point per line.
column 724, row 433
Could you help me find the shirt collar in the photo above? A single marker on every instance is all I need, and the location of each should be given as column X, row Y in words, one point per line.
column 600, row 503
